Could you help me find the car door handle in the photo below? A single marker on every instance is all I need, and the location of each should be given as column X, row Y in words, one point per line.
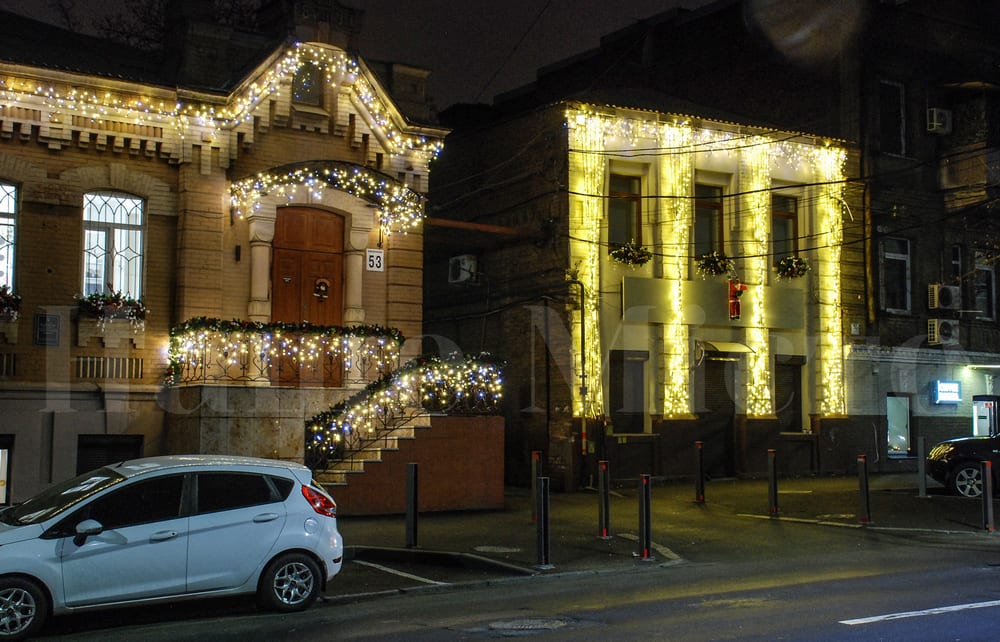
column 162, row 536
column 266, row 517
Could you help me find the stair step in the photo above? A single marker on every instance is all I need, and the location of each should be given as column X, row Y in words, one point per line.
column 414, row 419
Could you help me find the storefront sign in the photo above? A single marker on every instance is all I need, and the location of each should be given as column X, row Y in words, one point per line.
column 946, row 391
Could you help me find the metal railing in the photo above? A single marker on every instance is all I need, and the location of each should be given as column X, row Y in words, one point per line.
column 211, row 351
column 340, row 436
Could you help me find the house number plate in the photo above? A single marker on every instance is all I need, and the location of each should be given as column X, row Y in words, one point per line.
column 375, row 260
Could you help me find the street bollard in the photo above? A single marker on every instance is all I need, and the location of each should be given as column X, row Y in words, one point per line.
column 866, row 504
column 922, row 466
column 542, row 523
column 699, row 472
column 645, row 520
column 604, row 499
column 986, row 470
column 411, row 505
column 536, row 470
column 772, row 482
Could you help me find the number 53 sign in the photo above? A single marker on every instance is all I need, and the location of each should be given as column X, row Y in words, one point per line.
column 375, row 260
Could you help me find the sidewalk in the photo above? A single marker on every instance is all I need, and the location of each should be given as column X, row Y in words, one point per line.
column 509, row 537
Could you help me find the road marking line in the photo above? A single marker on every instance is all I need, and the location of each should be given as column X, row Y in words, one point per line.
column 393, row 571
column 662, row 550
column 935, row 611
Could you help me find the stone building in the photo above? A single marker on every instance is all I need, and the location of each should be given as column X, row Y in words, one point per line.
column 200, row 215
column 908, row 86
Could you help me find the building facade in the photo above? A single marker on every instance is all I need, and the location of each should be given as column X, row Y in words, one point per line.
column 908, row 86
column 182, row 228
column 671, row 280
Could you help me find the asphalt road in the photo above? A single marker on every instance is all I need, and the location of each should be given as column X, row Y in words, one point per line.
column 733, row 576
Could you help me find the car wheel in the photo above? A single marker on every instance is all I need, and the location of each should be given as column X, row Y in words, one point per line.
column 289, row 583
column 23, row 608
column 967, row 480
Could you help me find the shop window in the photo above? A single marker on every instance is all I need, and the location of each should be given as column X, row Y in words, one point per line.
column 6, row 448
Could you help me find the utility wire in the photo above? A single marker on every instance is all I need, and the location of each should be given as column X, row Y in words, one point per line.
column 513, row 50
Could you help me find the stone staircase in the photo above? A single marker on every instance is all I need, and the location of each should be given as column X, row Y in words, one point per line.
column 357, row 460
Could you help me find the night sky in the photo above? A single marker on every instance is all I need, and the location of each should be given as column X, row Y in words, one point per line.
column 475, row 49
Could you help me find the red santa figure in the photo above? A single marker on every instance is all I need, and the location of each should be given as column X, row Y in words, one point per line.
column 736, row 290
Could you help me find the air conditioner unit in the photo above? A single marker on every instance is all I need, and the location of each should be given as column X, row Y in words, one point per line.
column 944, row 297
column 942, row 332
column 938, row 120
column 462, row 269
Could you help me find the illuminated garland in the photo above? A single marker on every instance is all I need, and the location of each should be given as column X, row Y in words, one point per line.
column 755, row 185
column 586, row 131
column 597, row 136
column 236, row 341
column 464, row 384
column 399, row 207
column 830, row 164
column 674, row 232
column 338, row 69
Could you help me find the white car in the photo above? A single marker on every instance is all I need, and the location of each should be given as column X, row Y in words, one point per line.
column 163, row 529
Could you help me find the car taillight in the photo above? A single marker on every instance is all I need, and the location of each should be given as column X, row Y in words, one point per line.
column 320, row 502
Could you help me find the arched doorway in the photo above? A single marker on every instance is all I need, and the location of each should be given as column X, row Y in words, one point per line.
column 307, row 268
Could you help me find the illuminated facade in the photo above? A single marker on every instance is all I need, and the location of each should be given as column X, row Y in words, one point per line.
column 665, row 346
column 670, row 318
column 265, row 231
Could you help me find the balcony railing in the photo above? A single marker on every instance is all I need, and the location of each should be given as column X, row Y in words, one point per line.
column 212, row 351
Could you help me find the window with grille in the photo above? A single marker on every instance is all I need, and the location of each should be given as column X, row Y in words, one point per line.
column 8, row 228
column 112, row 244
column 624, row 210
column 707, row 219
column 784, row 227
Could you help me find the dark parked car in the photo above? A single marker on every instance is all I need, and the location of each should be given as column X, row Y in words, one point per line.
column 956, row 463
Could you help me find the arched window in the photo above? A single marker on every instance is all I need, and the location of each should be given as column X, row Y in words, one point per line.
column 112, row 243
column 8, row 228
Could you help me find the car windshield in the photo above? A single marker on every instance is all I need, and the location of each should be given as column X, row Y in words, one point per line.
column 56, row 499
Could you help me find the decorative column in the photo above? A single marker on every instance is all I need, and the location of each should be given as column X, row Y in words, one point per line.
column 355, row 244
column 261, row 226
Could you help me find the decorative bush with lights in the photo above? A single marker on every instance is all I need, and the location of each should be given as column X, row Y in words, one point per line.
column 631, row 254
column 715, row 264
column 790, row 267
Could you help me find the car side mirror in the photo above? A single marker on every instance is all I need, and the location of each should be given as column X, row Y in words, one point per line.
column 86, row 528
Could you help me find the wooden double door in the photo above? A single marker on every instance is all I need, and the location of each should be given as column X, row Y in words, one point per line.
column 307, row 276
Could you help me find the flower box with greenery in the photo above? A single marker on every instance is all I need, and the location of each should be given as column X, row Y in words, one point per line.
column 105, row 307
column 10, row 304
column 715, row 264
column 631, row 254
column 790, row 267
